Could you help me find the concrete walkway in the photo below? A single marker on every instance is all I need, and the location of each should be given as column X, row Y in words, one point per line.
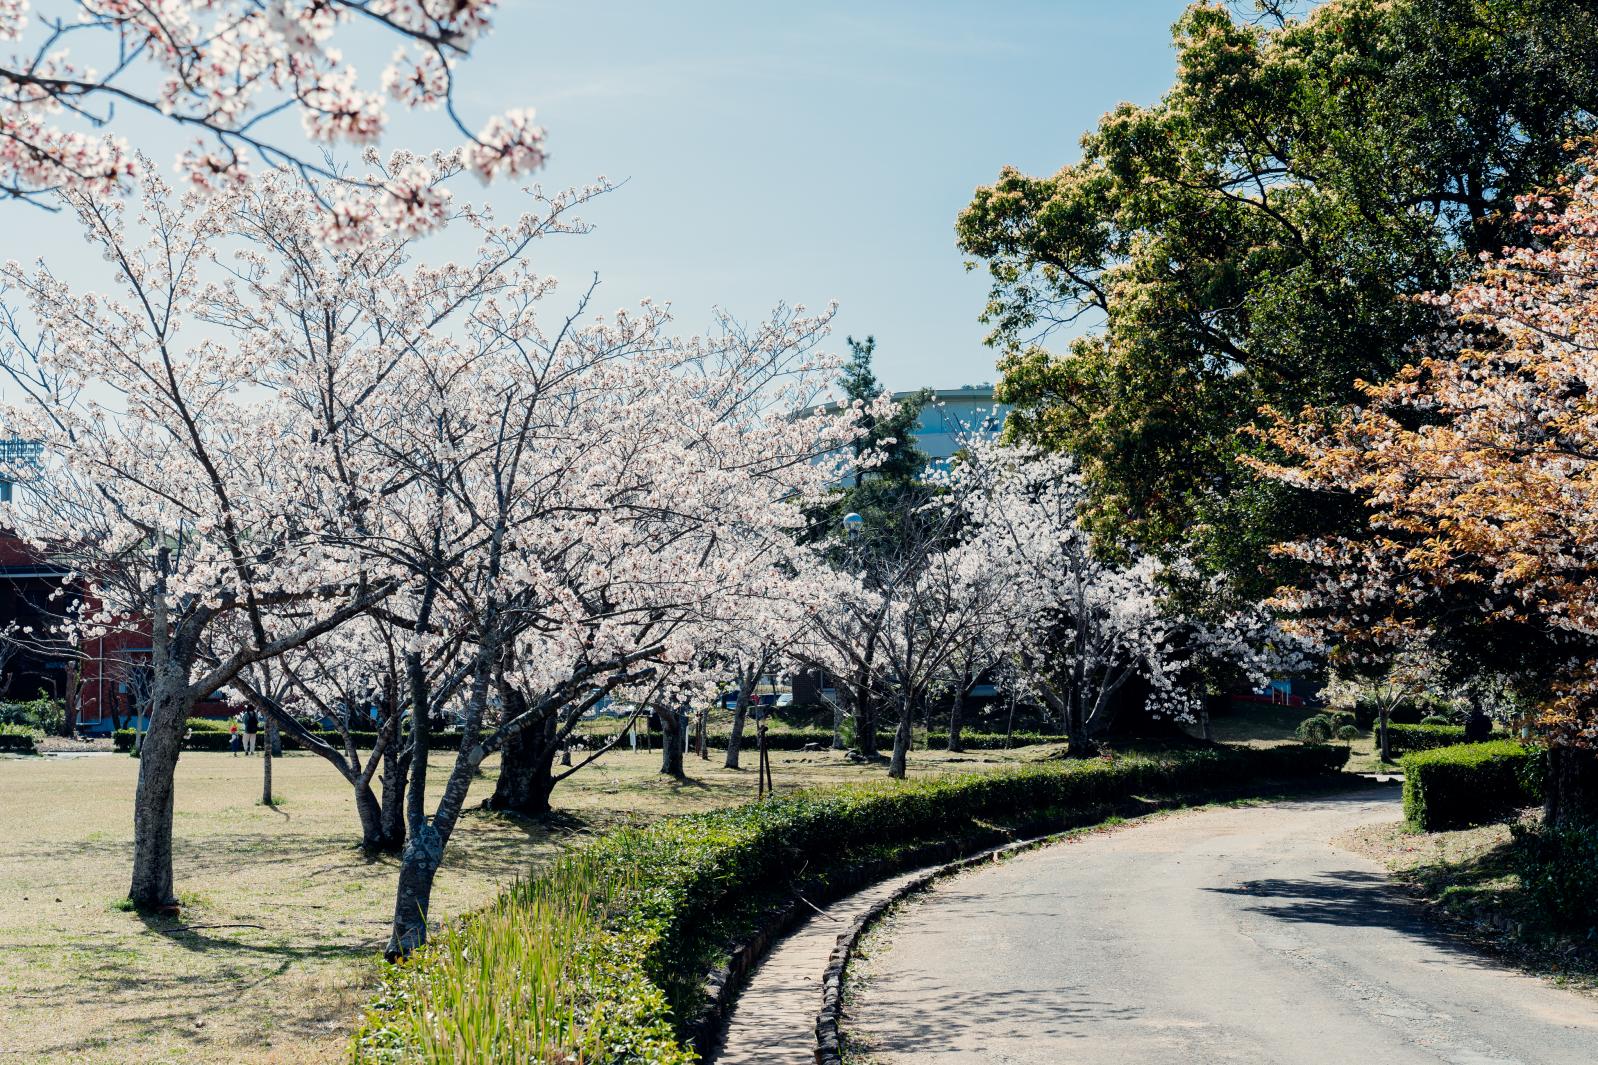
column 1238, row 936
column 774, row 1020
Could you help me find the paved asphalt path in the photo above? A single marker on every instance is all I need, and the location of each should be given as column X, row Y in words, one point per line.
column 1225, row 935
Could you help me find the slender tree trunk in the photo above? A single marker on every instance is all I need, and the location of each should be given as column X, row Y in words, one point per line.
column 901, row 739
column 371, row 815
column 1383, row 744
column 672, row 727
column 266, row 761
column 837, row 725
column 526, row 770
column 1570, row 786
column 956, row 713
column 152, row 882
column 740, row 714
column 419, row 863
column 69, row 719
column 391, row 839
column 865, row 721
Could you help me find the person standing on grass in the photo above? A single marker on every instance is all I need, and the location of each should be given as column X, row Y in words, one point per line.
column 234, row 744
column 252, row 724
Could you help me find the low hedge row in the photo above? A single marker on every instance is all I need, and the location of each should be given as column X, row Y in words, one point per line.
column 18, row 739
column 210, row 739
column 992, row 741
column 799, row 739
column 1470, row 784
column 1405, row 739
column 615, row 975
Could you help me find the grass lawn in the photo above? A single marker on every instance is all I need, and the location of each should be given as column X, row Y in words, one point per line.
column 285, row 915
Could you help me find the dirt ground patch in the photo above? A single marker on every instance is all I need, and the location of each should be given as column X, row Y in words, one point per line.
column 292, row 913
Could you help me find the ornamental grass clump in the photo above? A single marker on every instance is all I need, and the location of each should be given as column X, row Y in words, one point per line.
column 536, row 977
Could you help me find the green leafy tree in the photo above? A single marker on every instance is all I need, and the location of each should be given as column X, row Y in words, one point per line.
column 1256, row 237
column 885, row 492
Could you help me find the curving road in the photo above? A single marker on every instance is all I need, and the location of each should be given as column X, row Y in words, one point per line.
column 1224, row 935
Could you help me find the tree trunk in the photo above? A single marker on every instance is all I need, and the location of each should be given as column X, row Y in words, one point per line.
column 266, row 761
column 956, row 712
column 526, row 771
column 419, row 863
column 69, row 719
column 672, row 728
column 837, row 725
column 865, row 722
column 152, row 802
column 901, row 740
column 1382, row 744
column 1570, row 786
column 392, row 838
column 735, row 739
column 371, row 815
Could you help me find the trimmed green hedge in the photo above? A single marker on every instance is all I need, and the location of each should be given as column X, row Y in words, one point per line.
column 622, row 969
column 1404, row 739
column 992, row 741
column 208, row 739
column 1470, row 784
column 18, row 739
column 798, row 739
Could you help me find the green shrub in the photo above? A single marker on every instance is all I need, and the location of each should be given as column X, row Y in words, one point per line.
column 1317, row 729
column 1435, row 719
column 18, row 739
column 1404, row 739
column 603, row 959
column 1348, row 732
column 1340, row 718
column 1558, row 868
column 1470, row 784
column 45, row 714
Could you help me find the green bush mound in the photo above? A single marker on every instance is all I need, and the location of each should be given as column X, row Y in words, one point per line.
column 1558, row 869
column 993, row 741
column 603, row 959
column 18, row 739
column 1470, row 784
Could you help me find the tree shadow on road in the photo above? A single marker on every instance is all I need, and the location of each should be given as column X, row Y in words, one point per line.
column 1350, row 898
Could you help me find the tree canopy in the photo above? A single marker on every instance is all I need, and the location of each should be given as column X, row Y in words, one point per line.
column 1257, row 237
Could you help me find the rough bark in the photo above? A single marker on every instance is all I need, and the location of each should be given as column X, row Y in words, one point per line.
column 1570, row 786
column 901, row 741
column 526, row 771
column 672, row 726
column 957, row 713
column 424, row 851
column 392, row 838
column 266, row 761
column 152, row 802
column 735, row 738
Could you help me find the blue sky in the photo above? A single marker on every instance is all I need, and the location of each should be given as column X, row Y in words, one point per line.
column 797, row 151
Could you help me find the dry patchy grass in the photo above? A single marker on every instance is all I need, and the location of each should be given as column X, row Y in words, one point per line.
column 83, row 980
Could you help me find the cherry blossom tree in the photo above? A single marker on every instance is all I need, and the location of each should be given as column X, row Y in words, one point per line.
column 1080, row 626
column 1475, row 469
column 179, row 481
column 222, row 72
